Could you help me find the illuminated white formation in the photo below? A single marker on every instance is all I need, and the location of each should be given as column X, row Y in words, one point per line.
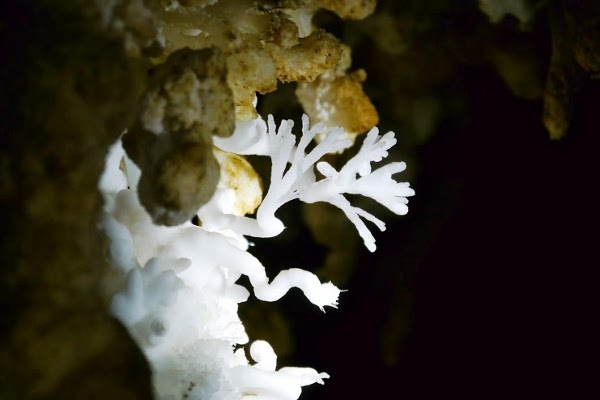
column 179, row 299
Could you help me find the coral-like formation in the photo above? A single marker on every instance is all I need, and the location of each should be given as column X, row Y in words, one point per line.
column 181, row 294
column 299, row 181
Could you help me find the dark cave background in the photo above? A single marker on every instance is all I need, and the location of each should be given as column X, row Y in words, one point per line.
column 483, row 280
column 485, row 270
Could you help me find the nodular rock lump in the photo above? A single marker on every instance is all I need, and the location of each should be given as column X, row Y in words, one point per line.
column 259, row 40
column 337, row 98
column 188, row 102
